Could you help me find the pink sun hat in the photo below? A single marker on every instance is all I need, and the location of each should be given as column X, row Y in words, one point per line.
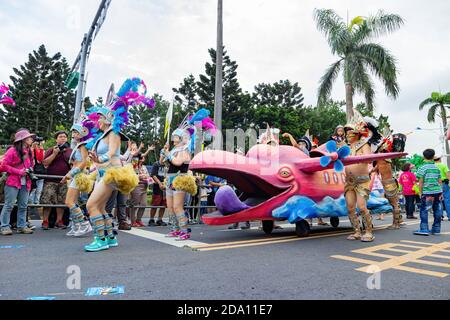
column 22, row 135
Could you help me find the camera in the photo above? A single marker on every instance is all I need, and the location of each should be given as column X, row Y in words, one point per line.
column 63, row 147
column 30, row 174
column 38, row 139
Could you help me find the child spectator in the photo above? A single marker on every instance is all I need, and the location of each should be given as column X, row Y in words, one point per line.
column 430, row 186
column 408, row 180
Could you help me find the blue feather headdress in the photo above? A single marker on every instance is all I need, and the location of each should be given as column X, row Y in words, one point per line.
column 188, row 129
column 133, row 92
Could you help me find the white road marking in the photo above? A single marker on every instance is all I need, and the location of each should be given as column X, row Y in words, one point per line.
column 162, row 238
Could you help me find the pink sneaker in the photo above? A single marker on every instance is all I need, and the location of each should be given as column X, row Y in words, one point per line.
column 183, row 236
column 174, row 234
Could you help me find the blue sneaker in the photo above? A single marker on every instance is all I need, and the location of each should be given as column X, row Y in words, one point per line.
column 112, row 242
column 435, row 233
column 422, row 232
column 97, row 245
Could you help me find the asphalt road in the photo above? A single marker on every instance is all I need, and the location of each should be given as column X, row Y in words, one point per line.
column 229, row 265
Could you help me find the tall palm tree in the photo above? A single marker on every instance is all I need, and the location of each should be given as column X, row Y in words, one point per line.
column 438, row 104
column 358, row 57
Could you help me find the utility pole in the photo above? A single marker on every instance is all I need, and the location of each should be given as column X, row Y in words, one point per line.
column 83, row 56
column 218, row 141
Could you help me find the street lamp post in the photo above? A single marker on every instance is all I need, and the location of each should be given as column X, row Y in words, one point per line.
column 83, row 56
column 219, row 76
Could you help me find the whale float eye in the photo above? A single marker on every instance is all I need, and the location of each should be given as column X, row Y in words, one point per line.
column 285, row 173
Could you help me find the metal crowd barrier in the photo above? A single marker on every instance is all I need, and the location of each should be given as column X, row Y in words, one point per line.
column 43, row 177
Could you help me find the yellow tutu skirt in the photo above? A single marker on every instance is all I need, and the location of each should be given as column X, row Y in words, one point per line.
column 85, row 182
column 186, row 184
column 124, row 178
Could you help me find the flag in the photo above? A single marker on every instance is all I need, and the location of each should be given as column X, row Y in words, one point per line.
column 169, row 117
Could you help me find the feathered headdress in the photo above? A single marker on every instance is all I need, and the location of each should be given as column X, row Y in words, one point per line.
column 132, row 93
column 357, row 124
column 380, row 141
column 4, row 99
column 188, row 129
column 87, row 128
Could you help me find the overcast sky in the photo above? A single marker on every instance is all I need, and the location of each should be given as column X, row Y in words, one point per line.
column 163, row 41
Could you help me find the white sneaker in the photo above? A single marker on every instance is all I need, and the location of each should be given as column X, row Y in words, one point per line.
column 73, row 230
column 85, row 228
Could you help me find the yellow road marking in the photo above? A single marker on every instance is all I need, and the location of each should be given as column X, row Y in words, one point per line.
column 401, row 268
column 420, row 271
column 267, row 241
column 432, row 263
column 243, row 241
column 271, row 242
column 417, row 242
column 397, row 262
column 409, row 257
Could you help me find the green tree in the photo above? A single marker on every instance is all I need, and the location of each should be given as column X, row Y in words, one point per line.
column 42, row 100
column 186, row 94
column 235, row 102
column 438, row 104
column 358, row 56
column 324, row 118
column 282, row 93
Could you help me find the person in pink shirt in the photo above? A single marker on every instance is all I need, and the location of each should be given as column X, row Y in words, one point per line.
column 18, row 163
column 408, row 180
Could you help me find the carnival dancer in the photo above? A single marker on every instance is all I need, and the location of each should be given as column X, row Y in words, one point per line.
column 82, row 133
column 382, row 144
column 105, row 154
column 357, row 187
column 178, row 182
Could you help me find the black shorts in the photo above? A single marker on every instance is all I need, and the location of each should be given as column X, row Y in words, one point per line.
column 211, row 197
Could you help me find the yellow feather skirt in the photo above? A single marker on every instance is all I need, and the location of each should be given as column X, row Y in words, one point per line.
column 85, row 182
column 186, row 184
column 124, row 178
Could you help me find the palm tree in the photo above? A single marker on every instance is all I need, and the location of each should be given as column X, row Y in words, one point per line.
column 358, row 57
column 438, row 104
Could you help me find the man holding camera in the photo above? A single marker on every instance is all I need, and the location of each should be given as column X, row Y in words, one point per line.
column 56, row 160
column 445, row 176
